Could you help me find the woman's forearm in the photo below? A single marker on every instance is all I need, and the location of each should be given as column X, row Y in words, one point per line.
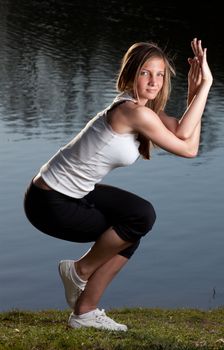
column 194, row 112
column 194, row 141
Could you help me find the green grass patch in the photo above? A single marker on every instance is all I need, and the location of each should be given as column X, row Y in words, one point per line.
column 156, row 329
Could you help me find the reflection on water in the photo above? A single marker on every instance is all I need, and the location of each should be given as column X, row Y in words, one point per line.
column 58, row 66
column 58, row 62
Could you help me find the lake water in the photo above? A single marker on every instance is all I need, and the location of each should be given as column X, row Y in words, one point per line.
column 58, row 63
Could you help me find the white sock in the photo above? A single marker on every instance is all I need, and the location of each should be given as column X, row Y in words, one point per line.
column 87, row 314
column 78, row 280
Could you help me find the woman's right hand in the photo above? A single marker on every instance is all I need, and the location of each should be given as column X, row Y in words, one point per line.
column 199, row 70
column 205, row 70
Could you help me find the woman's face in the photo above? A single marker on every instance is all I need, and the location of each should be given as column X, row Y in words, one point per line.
column 150, row 79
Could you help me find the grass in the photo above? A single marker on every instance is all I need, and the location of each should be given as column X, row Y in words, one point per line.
column 156, row 329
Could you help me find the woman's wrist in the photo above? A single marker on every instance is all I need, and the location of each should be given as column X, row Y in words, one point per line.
column 190, row 96
column 207, row 82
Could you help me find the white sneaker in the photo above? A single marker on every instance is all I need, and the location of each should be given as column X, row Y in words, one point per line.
column 72, row 290
column 97, row 319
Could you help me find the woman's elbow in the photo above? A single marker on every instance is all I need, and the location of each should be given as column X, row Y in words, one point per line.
column 191, row 153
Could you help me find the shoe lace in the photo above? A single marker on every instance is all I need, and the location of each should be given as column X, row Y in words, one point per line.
column 101, row 316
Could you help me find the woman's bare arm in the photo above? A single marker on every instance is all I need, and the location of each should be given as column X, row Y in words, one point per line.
column 146, row 122
column 199, row 83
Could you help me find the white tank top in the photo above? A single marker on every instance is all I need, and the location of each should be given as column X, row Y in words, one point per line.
column 87, row 158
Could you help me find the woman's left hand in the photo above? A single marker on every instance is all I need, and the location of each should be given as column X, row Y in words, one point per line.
column 199, row 69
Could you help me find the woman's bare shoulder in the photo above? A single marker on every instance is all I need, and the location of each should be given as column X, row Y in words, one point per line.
column 140, row 115
column 134, row 110
column 128, row 116
column 120, row 117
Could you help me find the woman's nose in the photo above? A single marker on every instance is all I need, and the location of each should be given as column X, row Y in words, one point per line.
column 152, row 81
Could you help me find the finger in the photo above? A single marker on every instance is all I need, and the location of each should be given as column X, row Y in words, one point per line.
column 204, row 57
column 196, row 70
column 200, row 50
column 192, row 69
column 205, row 53
column 194, row 46
column 197, row 47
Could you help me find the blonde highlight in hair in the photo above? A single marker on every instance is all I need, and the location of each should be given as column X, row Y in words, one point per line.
column 131, row 64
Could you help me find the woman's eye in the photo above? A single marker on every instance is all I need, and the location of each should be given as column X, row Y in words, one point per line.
column 144, row 73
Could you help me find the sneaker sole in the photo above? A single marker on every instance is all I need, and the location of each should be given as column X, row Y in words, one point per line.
column 77, row 325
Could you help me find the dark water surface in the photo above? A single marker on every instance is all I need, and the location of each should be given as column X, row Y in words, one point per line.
column 58, row 65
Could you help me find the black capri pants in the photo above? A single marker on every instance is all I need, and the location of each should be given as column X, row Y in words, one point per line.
column 85, row 219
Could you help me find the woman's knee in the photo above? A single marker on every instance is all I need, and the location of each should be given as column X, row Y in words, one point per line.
column 147, row 217
column 128, row 252
column 139, row 222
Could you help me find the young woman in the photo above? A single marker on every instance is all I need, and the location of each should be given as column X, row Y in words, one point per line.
column 65, row 199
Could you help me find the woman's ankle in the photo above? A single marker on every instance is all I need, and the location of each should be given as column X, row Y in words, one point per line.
column 83, row 309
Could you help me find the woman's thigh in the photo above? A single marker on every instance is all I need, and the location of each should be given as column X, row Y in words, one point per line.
column 115, row 202
column 64, row 217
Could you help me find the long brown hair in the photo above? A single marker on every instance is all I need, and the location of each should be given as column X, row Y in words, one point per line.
column 131, row 64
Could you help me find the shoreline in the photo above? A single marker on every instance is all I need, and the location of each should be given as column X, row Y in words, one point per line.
column 148, row 328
